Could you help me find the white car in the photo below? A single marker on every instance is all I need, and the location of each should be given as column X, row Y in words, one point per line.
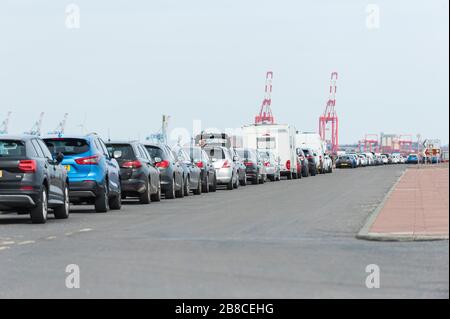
column 384, row 159
column 363, row 159
column 327, row 164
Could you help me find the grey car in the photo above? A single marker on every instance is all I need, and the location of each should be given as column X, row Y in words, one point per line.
column 192, row 174
column 172, row 174
column 271, row 164
column 225, row 165
column 31, row 180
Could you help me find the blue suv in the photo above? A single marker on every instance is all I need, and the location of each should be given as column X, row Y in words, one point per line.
column 94, row 175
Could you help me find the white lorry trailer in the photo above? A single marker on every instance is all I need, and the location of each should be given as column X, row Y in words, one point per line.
column 278, row 138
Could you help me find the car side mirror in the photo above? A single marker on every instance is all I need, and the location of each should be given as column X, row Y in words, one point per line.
column 117, row 154
column 59, row 158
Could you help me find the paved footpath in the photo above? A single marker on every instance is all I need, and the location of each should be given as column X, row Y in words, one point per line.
column 416, row 208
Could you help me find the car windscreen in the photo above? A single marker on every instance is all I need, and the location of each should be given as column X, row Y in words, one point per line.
column 155, row 152
column 12, row 149
column 67, row 146
column 247, row 155
column 216, row 153
column 125, row 149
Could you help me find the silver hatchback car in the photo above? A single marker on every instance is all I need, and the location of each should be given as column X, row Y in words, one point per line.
column 225, row 164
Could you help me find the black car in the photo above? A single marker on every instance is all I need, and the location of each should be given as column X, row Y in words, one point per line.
column 345, row 161
column 312, row 164
column 253, row 165
column 138, row 175
column 31, row 180
column 172, row 174
column 303, row 162
column 203, row 162
column 192, row 174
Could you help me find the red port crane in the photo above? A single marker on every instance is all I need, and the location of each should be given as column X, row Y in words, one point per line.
column 330, row 116
column 265, row 115
column 405, row 143
column 371, row 143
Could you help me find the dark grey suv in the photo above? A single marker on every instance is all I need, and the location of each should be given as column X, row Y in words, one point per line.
column 138, row 175
column 172, row 179
column 31, row 180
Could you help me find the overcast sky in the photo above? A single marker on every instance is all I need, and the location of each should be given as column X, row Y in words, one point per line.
column 131, row 61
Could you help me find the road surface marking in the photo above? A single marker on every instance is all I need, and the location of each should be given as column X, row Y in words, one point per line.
column 26, row 242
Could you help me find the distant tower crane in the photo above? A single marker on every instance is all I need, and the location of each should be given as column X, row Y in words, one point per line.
column 59, row 130
column 265, row 115
column 5, row 124
column 330, row 116
column 371, row 143
column 36, row 128
column 405, row 142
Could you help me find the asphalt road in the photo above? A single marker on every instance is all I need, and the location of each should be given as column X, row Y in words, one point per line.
column 291, row 239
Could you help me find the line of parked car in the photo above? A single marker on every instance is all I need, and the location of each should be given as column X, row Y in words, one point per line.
column 353, row 160
column 39, row 176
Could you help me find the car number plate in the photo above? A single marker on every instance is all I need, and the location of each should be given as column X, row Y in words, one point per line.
column 67, row 168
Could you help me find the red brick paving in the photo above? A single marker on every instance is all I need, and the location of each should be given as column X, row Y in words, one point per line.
column 418, row 206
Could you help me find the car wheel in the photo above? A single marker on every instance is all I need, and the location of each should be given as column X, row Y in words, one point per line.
column 180, row 192
column 101, row 201
column 62, row 212
column 230, row 185
column 244, row 180
column 236, row 183
column 157, row 197
column 115, row 202
column 205, row 184
column 145, row 197
column 170, row 191
column 187, row 186
column 213, row 187
column 39, row 213
column 198, row 190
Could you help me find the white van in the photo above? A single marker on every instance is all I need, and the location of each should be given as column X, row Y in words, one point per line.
column 278, row 138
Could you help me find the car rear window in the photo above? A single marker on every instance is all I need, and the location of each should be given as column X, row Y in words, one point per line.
column 67, row 146
column 344, row 158
column 12, row 148
column 126, row 149
column 247, row 155
column 216, row 152
column 155, row 152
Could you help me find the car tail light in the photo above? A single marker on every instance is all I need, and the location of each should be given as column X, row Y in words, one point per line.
column 163, row 164
column 199, row 164
column 27, row 166
column 266, row 164
column 131, row 164
column 248, row 163
column 90, row 160
column 288, row 164
column 226, row 164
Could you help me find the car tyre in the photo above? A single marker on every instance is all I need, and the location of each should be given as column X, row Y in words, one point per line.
column 63, row 211
column 157, row 197
column 180, row 192
column 39, row 213
column 145, row 197
column 198, row 191
column 213, row 187
column 170, row 192
column 101, row 201
column 205, row 185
